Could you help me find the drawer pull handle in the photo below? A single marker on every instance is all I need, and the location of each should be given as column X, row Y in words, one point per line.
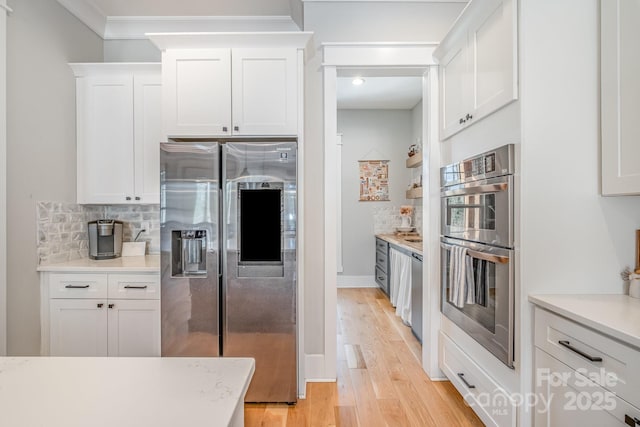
column 465, row 381
column 568, row 345
column 100, row 305
column 111, row 305
column 631, row 421
column 76, row 286
column 135, row 287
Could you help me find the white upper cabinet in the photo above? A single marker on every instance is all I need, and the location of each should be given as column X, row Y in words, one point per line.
column 118, row 109
column 222, row 92
column 478, row 64
column 197, row 91
column 264, row 88
column 620, row 97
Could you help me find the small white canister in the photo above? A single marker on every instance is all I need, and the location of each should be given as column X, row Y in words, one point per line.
column 634, row 285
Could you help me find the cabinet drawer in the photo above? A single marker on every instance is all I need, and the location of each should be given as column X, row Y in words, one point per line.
column 134, row 286
column 77, row 286
column 381, row 261
column 491, row 402
column 566, row 398
column 382, row 245
column 604, row 360
column 381, row 278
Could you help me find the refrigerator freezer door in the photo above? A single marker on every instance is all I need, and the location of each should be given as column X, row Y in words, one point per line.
column 189, row 211
column 259, row 279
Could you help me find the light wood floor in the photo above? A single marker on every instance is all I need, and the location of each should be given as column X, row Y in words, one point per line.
column 380, row 381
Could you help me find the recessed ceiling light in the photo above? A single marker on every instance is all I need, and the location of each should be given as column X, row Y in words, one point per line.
column 357, row 81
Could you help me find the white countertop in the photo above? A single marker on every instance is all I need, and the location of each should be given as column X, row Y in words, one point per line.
column 122, row 391
column 614, row 315
column 150, row 263
column 400, row 241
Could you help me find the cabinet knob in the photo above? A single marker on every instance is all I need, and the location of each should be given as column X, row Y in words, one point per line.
column 137, row 198
column 100, row 305
column 111, row 305
column 236, row 128
column 224, row 129
column 127, row 198
column 469, row 116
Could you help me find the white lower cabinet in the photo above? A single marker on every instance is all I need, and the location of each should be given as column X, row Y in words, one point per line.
column 488, row 399
column 101, row 314
column 583, row 377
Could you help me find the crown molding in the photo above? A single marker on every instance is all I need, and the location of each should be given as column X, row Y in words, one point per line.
column 135, row 27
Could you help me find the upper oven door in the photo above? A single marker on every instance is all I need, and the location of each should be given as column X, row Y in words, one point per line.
column 479, row 211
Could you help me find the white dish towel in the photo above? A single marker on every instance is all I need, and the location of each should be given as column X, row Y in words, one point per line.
column 461, row 282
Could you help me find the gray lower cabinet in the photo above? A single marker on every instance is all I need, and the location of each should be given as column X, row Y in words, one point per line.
column 382, row 265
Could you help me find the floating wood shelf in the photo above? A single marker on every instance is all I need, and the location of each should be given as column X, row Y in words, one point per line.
column 414, row 193
column 415, row 160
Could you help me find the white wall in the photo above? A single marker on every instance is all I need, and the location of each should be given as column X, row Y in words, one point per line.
column 41, row 144
column 347, row 22
column 131, row 51
column 370, row 135
column 3, row 184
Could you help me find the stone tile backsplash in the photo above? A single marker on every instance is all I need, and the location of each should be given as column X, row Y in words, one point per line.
column 62, row 228
column 387, row 218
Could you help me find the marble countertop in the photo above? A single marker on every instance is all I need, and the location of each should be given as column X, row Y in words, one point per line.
column 614, row 315
column 123, row 391
column 397, row 240
column 148, row 263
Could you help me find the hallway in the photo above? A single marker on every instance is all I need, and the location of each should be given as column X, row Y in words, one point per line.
column 380, row 381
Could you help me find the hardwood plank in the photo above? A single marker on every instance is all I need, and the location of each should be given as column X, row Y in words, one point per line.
column 393, row 412
column 345, row 393
column 366, row 403
column 354, row 357
column 346, row 416
column 322, row 400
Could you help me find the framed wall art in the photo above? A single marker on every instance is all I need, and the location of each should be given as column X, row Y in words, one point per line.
column 374, row 180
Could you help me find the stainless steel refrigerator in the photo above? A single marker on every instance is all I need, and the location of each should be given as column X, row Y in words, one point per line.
column 228, row 242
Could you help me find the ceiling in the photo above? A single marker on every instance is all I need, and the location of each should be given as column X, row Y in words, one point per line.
column 388, row 93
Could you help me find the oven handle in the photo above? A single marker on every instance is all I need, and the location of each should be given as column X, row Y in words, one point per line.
column 483, row 255
column 476, row 189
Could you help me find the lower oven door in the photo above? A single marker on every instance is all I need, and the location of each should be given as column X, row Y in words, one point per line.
column 478, row 293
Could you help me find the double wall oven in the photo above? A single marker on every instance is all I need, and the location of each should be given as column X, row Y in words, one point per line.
column 477, row 247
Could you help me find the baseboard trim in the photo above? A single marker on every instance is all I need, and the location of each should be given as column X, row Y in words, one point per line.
column 356, row 282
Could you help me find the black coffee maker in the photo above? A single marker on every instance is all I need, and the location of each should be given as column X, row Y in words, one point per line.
column 105, row 239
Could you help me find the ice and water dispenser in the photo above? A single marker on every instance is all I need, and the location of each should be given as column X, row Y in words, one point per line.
column 189, row 253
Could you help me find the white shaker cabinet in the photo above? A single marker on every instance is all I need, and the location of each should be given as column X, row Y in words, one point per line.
column 111, row 314
column 223, row 92
column 620, row 97
column 118, row 111
column 478, row 64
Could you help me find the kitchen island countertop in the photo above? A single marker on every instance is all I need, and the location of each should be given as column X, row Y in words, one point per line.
column 147, row 263
column 397, row 240
column 615, row 315
column 123, row 391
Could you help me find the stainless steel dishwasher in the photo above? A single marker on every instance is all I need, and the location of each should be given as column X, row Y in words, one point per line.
column 416, row 295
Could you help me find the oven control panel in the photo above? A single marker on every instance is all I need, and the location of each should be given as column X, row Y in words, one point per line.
column 490, row 164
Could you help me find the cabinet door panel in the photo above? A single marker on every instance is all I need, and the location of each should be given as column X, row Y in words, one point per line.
column 620, row 100
column 134, row 328
column 105, row 139
column 264, row 91
column 196, row 92
column 148, row 134
column 492, row 44
column 454, row 78
column 78, row 327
